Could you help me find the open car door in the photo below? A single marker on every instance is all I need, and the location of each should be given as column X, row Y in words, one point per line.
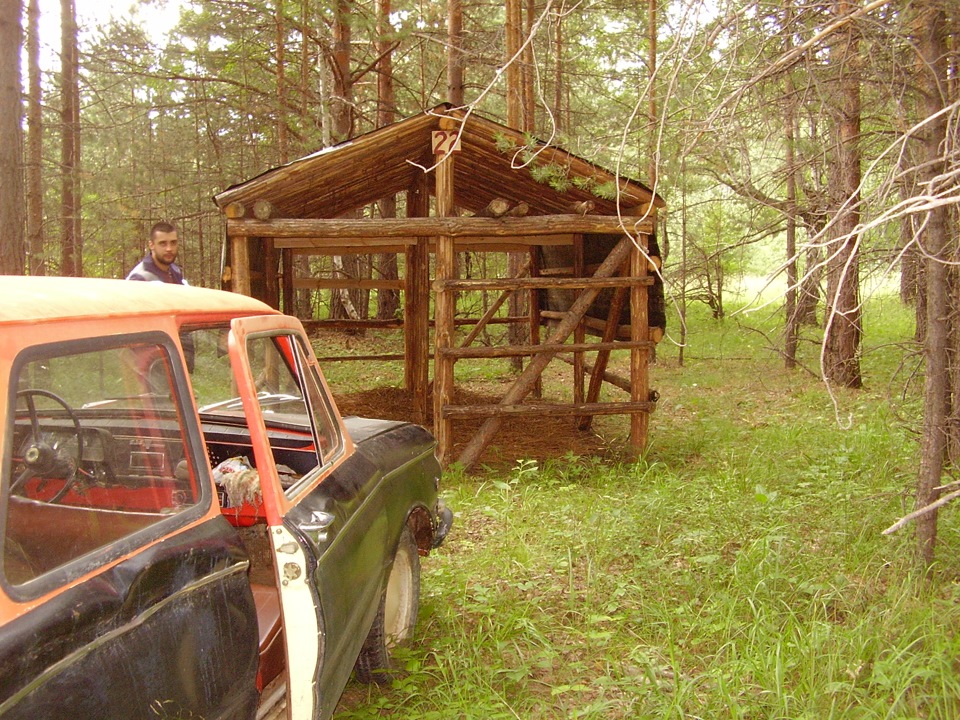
column 328, row 554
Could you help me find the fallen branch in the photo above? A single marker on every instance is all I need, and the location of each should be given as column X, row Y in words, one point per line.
column 922, row 511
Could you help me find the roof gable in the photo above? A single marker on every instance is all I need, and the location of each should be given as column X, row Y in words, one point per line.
column 388, row 161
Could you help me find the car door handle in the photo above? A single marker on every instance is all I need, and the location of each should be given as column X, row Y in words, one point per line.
column 316, row 528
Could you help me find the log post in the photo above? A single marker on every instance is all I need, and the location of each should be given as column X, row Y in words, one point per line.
column 526, row 380
column 445, row 312
column 240, row 265
column 639, row 356
column 416, row 310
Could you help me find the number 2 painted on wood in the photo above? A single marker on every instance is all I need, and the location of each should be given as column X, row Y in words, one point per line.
column 445, row 141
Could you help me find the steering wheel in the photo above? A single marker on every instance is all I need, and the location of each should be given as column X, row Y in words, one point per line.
column 41, row 458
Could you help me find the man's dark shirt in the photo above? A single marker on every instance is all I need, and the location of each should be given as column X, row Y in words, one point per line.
column 148, row 271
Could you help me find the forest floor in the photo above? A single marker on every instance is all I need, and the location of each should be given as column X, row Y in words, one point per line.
column 737, row 570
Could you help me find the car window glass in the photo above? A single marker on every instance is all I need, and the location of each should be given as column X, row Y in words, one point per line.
column 327, row 428
column 289, row 390
column 97, row 453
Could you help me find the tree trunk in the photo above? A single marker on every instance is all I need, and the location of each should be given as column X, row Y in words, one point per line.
column 841, row 352
column 11, row 139
column 930, row 23
column 791, row 326
column 37, row 264
column 385, row 264
column 512, row 47
column 558, row 70
column 344, row 303
column 71, row 245
column 455, row 53
column 652, row 147
column 280, row 73
column 527, row 73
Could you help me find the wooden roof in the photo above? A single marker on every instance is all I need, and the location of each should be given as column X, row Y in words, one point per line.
column 389, row 160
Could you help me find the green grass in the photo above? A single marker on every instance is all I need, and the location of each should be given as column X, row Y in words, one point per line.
column 737, row 571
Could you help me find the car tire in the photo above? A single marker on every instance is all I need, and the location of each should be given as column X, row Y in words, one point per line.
column 397, row 615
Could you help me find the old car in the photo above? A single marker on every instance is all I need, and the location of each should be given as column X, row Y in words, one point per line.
column 188, row 527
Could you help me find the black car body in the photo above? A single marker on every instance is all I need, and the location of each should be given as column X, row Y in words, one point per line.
column 189, row 528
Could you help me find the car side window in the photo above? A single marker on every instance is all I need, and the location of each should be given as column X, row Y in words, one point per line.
column 288, row 387
column 97, row 457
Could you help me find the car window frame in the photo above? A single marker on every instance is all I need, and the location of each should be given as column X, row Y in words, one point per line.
column 276, row 503
column 99, row 559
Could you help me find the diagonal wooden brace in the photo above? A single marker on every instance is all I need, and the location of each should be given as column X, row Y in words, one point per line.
column 528, row 378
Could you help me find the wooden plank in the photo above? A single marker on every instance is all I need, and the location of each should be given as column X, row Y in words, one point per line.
column 350, row 324
column 361, row 246
column 501, row 351
column 598, row 283
column 517, row 227
column 366, row 358
column 547, row 409
column 346, row 284
column 610, row 377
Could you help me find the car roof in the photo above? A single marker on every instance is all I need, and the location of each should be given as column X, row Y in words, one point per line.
column 34, row 299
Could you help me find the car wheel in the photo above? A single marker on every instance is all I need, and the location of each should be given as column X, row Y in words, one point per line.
column 396, row 616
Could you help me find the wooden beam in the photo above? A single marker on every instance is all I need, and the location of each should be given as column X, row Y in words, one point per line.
column 547, row 409
column 350, row 324
column 519, row 283
column 501, row 351
column 346, row 284
column 366, row 358
column 435, row 226
column 235, row 210
column 366, row 245
column 610, row 377
column 263, row 210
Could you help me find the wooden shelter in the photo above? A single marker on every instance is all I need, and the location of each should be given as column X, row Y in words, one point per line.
column 470, row 184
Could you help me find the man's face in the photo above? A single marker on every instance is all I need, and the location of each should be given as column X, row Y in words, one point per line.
column 163, row 247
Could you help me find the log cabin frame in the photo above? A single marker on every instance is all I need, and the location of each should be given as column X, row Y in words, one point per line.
column 485, row 198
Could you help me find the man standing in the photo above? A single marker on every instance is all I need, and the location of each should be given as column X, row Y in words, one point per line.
column 160, row 265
